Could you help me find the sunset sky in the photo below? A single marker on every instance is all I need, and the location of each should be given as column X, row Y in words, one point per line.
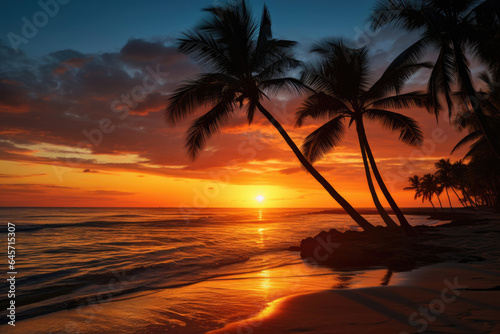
column 66, row 140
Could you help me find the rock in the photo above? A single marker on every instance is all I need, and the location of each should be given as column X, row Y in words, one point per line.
column 380, row 247
column 472, row 258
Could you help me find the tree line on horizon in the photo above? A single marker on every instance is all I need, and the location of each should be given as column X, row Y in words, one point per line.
column 242, row 63
column 475, row 185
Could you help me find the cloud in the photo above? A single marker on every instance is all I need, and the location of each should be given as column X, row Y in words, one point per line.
column 111, row 192
column 139, row 52
column 62, row 98
column 13, row 176
column 90, row 171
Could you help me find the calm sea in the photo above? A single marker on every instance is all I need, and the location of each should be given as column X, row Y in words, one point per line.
column 135, row 270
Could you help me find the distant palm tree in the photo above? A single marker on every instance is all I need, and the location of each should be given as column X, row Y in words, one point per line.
column 459, row 177
column 451, row 27
column 430, row 186
column 445, row 177
column 342, row 93
column 415, row 185
column 241, row 60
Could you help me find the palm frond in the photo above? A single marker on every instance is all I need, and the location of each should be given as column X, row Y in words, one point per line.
column 471, row 137
column 440, row 81
column 393, row 79
column 407, row 14
column 206, row 90
column 316, row 77
column 279, row 67
column 324, row 139
column 320, row 105
column 412, row 99
column 206, row 125
column 192, row 95
column 409, row 130
column 273, row 86
column 205, row 50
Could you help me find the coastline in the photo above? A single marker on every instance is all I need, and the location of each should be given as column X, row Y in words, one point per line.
column 460, row 295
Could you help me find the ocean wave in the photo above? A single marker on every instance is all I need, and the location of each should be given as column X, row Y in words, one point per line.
column 96, row 223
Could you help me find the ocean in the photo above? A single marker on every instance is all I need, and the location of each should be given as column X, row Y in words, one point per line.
column 164, row 270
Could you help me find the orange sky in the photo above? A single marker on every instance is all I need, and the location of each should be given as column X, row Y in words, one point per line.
column 65, row 140
column 238, row 165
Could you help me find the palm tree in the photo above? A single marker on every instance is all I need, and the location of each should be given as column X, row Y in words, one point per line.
column 459, row 177
column 490, row 102
column 484, row 175
column 415, row 185
column 444, row 175
column 342, row 93
column 241, row 61
column 451, row 27
column 430, row 186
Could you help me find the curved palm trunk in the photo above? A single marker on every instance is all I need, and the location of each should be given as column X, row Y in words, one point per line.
column 430, row 200
column 385, row 216
column 456, row 194
column 439, row 199
column 463, row 73
column 468, row 198
column 365, row 225
column 449, row 201
column 397, row 211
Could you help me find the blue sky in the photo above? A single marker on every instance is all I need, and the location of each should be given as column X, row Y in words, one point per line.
column 101, row 26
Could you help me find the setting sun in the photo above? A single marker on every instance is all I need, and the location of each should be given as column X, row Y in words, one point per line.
column 259, row 198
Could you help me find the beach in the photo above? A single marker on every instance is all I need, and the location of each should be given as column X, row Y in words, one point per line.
column 461, row 295
column 151, row 271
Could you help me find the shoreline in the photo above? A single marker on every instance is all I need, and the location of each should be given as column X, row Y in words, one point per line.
column 459, row 295
column 447, row 298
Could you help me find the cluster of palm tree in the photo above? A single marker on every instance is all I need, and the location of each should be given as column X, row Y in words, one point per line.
column 475, row 185
column 242, row 63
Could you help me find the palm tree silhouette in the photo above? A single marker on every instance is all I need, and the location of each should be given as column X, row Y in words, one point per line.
column 490, row 102
column 241, row 60
column 460, row 180
column 444, row 174
column 430, row 186
column 451, row 27
column 342, row 93
column 414, row 185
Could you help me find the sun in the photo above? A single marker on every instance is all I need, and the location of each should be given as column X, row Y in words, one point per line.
column 259, row 198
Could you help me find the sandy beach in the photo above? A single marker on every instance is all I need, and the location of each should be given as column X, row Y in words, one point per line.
column 460, row 295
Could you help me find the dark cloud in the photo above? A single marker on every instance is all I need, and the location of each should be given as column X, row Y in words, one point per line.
column 139, row 51
column 13, row 97
column 90, row 171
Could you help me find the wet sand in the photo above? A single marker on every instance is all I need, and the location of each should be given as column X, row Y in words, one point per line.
column 460, row 295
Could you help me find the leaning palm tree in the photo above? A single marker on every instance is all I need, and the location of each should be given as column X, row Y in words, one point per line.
column 242, row 61
column 459, row 181
column 444, row 170
column 415, row 185
column 450, row 27
column 343, row 94
column 430, row 186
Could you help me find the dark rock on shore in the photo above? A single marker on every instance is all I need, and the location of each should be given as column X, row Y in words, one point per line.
column 381, row 247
